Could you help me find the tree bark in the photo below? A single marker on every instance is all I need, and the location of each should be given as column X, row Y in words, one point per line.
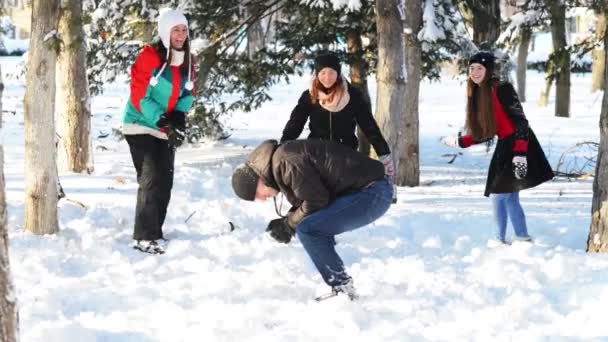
column 390, row 73
column 544, row 94
column 599, row 57
column 408, row 167
column 485, row 17
column 255, row 38
column 39, row 108
column 206, row 60
column 557, row 10
column 522, row 61
column 358, row 78
column 255, row 31
column 149, row 31
column 598, row 232
column 72, row 99
column 9, row 315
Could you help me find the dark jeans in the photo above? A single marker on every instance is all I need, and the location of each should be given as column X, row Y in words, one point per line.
column 316, row 232
column 153, row 160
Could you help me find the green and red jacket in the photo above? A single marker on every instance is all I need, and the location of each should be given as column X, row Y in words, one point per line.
column 148, row 103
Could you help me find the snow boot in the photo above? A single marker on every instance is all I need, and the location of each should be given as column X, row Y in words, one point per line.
column 347, row 289
column 149, row 246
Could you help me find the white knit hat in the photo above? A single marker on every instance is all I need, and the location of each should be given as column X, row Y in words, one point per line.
column 167, row 19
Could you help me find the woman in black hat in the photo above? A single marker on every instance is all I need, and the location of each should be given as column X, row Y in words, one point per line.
column 519, row 162
column 335, row 108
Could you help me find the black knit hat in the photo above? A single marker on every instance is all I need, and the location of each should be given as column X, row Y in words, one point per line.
column 327, row 60
column 245, row 182
column 484, row 58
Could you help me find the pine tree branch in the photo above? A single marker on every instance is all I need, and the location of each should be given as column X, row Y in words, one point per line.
column 248, row 22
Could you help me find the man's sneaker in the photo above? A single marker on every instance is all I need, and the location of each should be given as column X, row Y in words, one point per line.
column 148, row 246
column 523, row 239
column 348, row 289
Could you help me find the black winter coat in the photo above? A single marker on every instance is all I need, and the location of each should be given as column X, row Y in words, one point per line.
column 336, row 126
column 312, row 173
column 501, row 178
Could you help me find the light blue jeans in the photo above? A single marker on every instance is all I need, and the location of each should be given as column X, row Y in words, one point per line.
column 507, row 206
column 316, row 232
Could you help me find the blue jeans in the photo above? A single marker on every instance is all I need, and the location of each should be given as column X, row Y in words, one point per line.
column 508, row 206
column 316, row 232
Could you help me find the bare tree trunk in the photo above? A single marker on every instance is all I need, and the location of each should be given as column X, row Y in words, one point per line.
column 546, row 91
column 149, row 31
column 358, row 78
column 390, row 73
column 270, row 30
column 39, row 105
column 72, row 99
column 408, row 168
column 484, row 15
column 557, row 10
column 522, row 61
column 598, row 232
column 9, row 315
column 599, row 57
column 255, row 31
column 206, row 60
column 255, row 38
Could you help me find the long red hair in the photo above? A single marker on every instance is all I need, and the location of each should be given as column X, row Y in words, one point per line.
column 335, row 90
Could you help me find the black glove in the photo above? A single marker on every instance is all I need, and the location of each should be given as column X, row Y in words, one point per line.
column 174, row 126
column 280, row 230
column 175, row 119
column 179, row 120
column 175, row 136
column 164, row 121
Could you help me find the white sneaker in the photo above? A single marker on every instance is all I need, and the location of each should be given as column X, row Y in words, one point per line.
column 148, row 246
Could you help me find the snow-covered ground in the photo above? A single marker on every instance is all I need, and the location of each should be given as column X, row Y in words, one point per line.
column 424, row 269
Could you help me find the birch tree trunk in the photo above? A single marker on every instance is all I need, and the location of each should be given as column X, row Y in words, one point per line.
column 598, row 232
column 522, row 61
column 9, row 315
column 358, row 78
column 39, row 107
column 390, row 73
column 557, row 10
column 408, row 167
column 72, row 99
column 599, row 57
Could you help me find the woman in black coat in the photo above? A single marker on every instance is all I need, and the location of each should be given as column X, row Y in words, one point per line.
column 334, row 109
column 519, row 162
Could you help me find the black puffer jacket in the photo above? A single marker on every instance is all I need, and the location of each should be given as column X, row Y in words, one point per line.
column 336, row 126
column 312, row 173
